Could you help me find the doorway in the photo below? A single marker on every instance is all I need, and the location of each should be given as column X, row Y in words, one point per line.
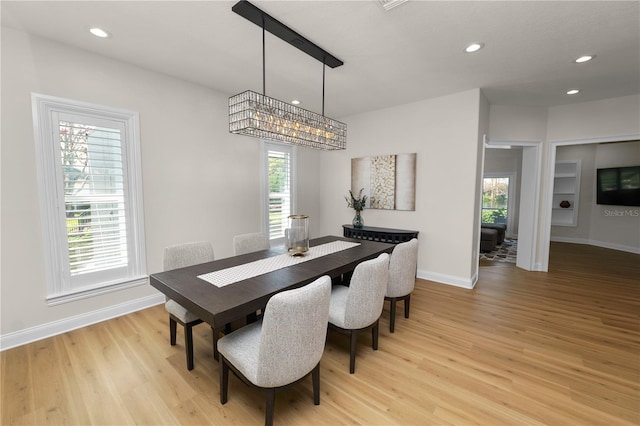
column 547, row 210
column 524, row 223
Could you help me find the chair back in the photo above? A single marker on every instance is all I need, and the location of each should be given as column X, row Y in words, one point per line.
column 402, row 269
column 366, row 292
column 294, row 330
column 248, row 243
column 187, row 254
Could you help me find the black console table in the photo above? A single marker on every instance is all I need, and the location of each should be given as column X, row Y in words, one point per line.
column 385, row 235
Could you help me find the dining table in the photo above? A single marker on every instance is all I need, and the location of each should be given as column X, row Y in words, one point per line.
column 226, row 290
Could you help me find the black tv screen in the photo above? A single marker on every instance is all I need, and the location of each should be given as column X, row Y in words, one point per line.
column 619, row 186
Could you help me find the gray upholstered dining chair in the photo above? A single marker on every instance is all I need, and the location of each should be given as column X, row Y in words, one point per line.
column 181, row 256
column 283, row 348
column 402, row 277
column 248, row 243
column 357, row 308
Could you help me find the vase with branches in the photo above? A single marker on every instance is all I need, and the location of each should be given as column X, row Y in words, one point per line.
column 357, row 203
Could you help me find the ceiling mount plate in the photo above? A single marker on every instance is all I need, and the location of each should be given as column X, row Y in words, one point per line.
column 280, row 30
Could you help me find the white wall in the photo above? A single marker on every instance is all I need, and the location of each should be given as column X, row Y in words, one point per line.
column 517, row 123
column 310, row 178
column 594, row 120
column 444, row 133
column 200, row 182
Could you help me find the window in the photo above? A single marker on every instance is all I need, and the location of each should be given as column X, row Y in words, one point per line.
column 91, row 197
column 279, row 166
column 495, row 199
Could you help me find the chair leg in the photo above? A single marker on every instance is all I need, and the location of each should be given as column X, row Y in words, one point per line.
column 224, row 381
column 392, row 318
column 374, row 335
column 188, row 344
column 315, row 377
column 172, row 331
column 271, row 402
column 352, row 350
column 406, row 306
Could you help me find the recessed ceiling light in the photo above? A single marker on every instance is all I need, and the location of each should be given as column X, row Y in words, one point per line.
column 473, row 47
column 573, row 92
column 99, row 32
column 295, row 102
column 585, row 58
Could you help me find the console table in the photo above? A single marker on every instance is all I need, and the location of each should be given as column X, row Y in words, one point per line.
column 385, row 235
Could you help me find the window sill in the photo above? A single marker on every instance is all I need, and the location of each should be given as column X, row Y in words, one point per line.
column 76, row 295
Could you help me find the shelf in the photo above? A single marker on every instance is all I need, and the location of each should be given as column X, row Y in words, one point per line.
column 566, row 187
column 564, row 168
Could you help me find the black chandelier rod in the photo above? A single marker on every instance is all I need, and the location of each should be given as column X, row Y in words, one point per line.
column 264, row 69
column 280, row 30
column 324, row 67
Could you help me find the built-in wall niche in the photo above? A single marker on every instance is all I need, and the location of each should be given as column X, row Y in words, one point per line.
column 566, row 193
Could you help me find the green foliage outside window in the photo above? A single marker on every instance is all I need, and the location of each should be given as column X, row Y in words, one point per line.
column 495, row 200
column 494, row 215
column 278, row 174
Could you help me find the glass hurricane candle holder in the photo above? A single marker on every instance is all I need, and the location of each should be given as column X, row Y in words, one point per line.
column 298, row 235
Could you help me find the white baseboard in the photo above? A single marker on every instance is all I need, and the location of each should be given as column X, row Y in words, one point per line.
column 22, row 337
column 448, row 279
column 603, row 244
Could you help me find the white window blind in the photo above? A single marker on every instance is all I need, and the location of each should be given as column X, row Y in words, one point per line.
column 93, row 176
column 280, row 187
column 91, row 197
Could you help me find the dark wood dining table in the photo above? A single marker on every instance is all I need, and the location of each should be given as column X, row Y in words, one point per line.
column 219, row 306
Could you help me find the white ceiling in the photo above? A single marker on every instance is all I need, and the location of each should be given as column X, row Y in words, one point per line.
column 409, row 53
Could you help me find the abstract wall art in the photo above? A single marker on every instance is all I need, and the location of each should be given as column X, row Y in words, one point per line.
column 389, row 181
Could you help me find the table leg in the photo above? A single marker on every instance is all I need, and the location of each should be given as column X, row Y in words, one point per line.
column 216, row 336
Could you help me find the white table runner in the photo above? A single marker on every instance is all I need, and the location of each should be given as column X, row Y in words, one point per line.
column 234, row 274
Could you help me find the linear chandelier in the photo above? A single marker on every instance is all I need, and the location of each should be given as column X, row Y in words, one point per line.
column 261, row 116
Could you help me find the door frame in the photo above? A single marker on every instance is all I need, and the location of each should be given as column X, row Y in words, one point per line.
column 529, row 198
column 545, row 239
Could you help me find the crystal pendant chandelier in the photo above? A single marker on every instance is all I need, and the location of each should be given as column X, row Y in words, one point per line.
column 261, row 116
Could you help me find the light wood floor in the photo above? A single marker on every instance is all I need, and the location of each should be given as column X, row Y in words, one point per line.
column 557, row 348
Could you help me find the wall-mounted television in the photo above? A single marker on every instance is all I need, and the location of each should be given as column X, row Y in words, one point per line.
column 619, row 186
